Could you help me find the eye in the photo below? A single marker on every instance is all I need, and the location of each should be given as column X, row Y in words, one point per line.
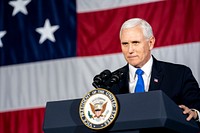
column 135, row 43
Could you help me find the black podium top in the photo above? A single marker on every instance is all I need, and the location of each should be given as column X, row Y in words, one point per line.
column 139, row 113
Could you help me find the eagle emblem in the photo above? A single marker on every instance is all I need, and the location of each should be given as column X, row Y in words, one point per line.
column 97, row 109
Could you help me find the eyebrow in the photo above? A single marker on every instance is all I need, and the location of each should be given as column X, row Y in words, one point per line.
column 131, row 42
column 124, row 42
column 135, row 41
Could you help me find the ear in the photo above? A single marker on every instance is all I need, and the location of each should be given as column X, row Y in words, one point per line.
column 151, row 42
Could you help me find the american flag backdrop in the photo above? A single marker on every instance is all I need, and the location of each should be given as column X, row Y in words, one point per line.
column 50, row 50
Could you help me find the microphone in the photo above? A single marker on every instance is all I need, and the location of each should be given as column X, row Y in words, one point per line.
column 98, row 80
column 116, row 77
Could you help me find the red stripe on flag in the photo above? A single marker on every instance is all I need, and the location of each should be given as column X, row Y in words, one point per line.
column 173, row 22
column 23, row 121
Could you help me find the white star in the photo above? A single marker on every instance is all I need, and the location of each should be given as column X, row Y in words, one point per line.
column 2, row 33
column 19, row 6
column 47, row 31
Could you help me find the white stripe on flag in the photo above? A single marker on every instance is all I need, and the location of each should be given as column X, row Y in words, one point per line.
column 32, row 85
column 98, row 5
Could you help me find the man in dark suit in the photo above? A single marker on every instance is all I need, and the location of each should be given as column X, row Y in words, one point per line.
column 177, row 81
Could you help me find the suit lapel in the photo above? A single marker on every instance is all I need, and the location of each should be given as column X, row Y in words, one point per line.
column 156, row 76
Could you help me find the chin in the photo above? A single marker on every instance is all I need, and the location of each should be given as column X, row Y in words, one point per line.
column 133, row 64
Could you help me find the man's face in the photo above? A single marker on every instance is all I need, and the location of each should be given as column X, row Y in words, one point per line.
column 135, row 47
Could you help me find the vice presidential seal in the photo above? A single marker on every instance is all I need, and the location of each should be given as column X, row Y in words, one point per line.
column 98, row 109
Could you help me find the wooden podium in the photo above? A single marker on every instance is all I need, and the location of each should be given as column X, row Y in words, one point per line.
column 145, row 112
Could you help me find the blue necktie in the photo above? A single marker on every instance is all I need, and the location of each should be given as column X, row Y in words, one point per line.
column 140, row 82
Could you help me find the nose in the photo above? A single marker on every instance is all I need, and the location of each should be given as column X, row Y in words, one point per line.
column 131, row 48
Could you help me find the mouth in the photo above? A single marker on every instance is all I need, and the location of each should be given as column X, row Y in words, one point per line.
column 132, row 57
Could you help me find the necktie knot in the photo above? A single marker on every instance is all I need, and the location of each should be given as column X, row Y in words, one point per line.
column 139, row 72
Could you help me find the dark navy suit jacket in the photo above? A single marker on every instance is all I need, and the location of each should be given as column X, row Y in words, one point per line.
column 175, row 80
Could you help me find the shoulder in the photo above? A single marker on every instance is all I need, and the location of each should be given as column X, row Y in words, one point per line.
column 171, row 67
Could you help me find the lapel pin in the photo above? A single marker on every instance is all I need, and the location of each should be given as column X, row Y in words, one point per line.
column 155, row 80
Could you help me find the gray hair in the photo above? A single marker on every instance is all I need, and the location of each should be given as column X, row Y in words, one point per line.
column 146, row 27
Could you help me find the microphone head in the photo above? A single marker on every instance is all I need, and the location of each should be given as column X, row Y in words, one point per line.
column 105, row 74
column 99, row 80
column 116, row 77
